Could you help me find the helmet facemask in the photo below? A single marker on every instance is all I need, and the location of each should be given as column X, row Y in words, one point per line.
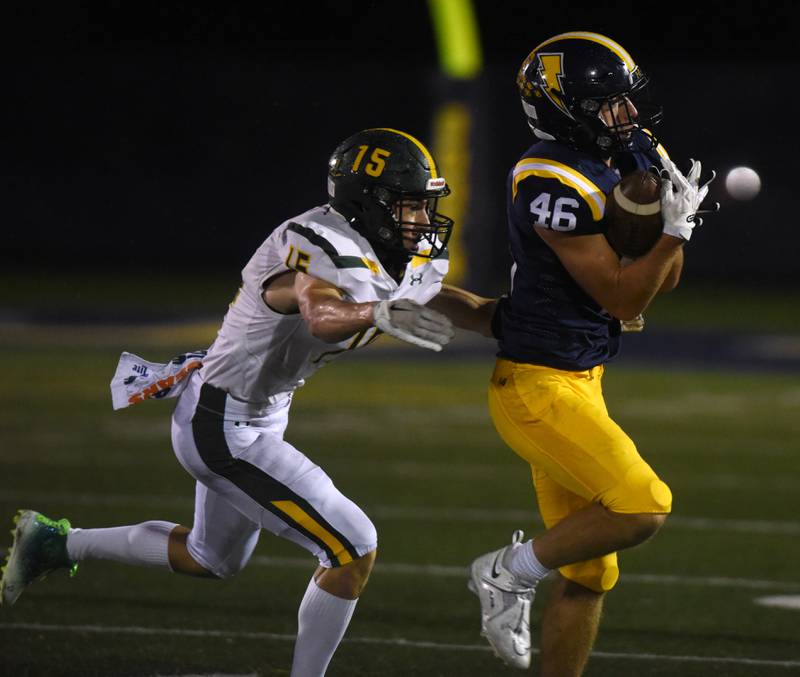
column 431, row 238
column 624, row 112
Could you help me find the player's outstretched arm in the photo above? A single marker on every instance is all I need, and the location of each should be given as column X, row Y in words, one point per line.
column 466, row 310
column 331, row 318
column 328, row 315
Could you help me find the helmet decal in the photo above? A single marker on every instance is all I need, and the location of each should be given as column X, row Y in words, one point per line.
column 550, row 71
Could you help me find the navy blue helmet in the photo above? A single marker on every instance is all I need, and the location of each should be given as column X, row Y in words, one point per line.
column 564, row 83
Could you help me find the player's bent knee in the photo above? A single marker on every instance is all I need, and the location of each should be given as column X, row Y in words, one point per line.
column 349, row 580
column 640, row 491
column 359, row 541
column 573, row 590
column 181, row 560
column 643, row 526
column 657, row 520
column 360, row 569
column 598, row 575
column 366, row 562
column 227, row 570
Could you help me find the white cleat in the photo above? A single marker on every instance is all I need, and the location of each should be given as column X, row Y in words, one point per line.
column 505, row 605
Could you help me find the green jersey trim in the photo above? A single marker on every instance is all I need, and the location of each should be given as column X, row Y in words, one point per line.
column 316, row 239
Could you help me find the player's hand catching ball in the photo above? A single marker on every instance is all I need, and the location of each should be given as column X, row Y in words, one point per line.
column 410, row 322
column 681, row 197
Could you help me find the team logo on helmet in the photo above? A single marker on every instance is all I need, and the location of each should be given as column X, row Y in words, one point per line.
column 551, row 70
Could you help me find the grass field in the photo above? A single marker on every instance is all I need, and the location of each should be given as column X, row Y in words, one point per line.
column 412, row 443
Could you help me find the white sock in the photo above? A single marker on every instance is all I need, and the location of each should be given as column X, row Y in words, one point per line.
column 142, row 544
column 322, row 620
column 524, row 564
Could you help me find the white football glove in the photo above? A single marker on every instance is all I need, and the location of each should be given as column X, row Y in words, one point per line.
column 680, row 199
column 413, row 323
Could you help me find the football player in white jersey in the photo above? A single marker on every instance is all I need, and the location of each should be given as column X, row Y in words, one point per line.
column 324, row 282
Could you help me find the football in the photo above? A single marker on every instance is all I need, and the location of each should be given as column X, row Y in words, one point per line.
column 633, row 214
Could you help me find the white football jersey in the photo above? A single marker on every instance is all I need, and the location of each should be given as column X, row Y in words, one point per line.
column 259, row 352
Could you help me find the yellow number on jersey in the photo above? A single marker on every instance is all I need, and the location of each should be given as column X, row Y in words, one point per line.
column 298, row 260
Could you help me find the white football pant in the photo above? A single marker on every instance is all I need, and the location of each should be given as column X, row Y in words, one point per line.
column 249, row 478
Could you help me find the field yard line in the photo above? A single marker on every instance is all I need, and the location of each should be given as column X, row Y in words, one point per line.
column 446, row 571
column 400, row 512
column 395, row 641
column 780, row 601
column 698, row 659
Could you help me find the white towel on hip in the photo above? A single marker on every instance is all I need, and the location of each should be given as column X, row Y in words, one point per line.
column 137, row 380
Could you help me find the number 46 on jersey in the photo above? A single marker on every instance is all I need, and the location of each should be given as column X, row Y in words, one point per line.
column 559, row 219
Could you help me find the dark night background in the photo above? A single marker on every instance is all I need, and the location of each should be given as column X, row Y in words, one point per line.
column 173, row 136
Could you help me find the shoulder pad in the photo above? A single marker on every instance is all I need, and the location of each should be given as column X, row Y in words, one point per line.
column 329, row 251
column 659, row 149
column 530, row 169
column 339, row 251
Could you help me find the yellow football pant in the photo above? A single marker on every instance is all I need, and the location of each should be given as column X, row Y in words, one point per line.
column 558, row 422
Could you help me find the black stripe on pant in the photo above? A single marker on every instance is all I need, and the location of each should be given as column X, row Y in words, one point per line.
column 209, row 438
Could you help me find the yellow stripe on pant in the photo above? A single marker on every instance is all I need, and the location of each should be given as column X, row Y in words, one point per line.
column 558, row 422
column 310, row 524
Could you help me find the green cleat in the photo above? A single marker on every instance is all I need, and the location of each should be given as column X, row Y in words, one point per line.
column 39, row 547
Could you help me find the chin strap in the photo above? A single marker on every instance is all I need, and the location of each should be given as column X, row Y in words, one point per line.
column 539, row 134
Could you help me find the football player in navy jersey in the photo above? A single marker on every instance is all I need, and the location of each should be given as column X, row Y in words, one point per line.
column 586, row 101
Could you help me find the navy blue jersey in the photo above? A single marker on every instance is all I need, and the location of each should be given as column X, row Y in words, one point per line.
column 548, row 319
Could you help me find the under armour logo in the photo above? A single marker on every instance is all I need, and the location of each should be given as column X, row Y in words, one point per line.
column 416, row 279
